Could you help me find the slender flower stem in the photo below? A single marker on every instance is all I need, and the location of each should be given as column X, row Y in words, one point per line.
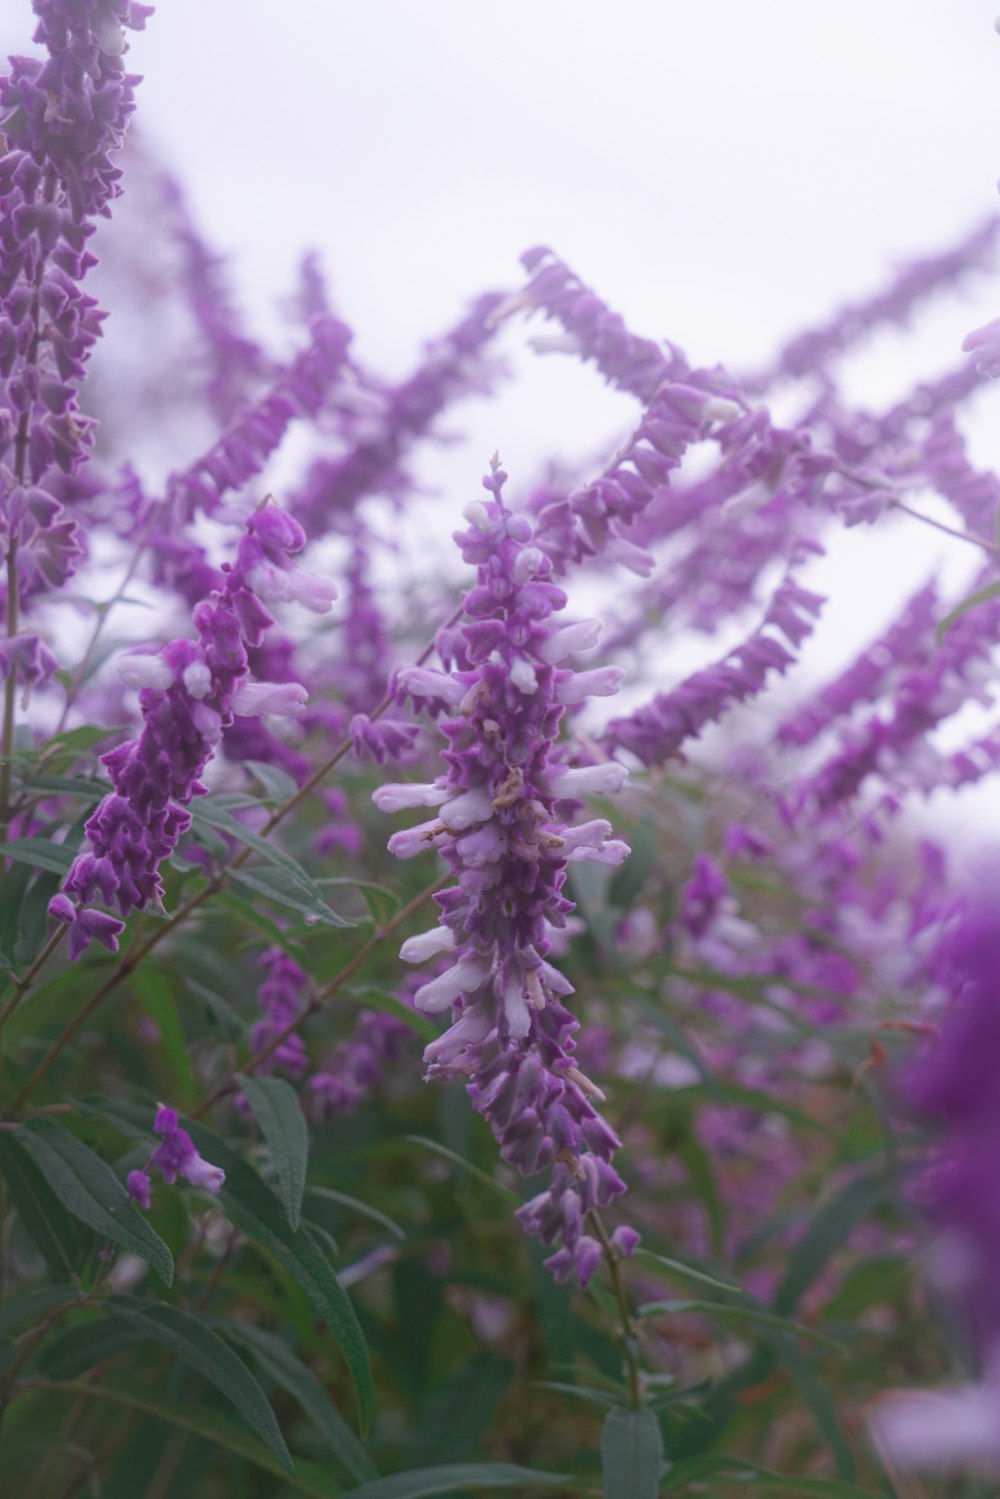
column 322, row 998
column 612, row 1262
column 976, row 541
column 24, row 983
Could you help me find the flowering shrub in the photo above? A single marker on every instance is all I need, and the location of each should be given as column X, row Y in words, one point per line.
column 712, row 1032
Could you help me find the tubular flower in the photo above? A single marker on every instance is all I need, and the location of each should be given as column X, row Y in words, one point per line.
column 175, row 1156
column 496, row 826
column 189, row 692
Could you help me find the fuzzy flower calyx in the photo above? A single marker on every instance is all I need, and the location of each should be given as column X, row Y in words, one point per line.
column 495, row 823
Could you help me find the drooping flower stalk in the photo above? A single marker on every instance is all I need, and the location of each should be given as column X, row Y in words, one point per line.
column 656, row 731
column 918, row 280
column 499, row 828
column 189, row 692
column 453, row 365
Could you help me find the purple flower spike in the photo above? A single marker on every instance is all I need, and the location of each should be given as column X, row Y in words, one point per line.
column 189, row 693
column 494, row 822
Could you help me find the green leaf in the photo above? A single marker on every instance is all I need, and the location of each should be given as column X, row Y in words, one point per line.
column 285, row 889
column 202, row 1421
column 390, row 1004
column 981, row 596
column 866, row 1284
column 54, row 1233
column 631, row 1455
column 726, row 1312
column 828, row 1228
column 92, row 790
column 34, row 918
column 277, row 783
column 279, row 1363
column 329, row 1194
column 693, row 1469
column 584, row 1391
column 422, row 1483
column 153, row 992
column 40, row 853
column 89, row 1343
column 33, row 1304
column 457, row 1160
column 249, row 1201
column 91, row 1191
column 276, row 1106
column 203, row 1350
column 686, row 1272
column 13, row 888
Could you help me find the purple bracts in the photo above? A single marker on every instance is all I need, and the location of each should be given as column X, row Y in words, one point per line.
column 496, row 827
column 190, row 691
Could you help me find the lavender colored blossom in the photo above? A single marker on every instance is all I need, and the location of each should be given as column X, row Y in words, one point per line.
column 918, row 280
column 254, row 434
column 233, row 361
column 656, row 732
column 189, row 692
column 495, row 825
column 453, row 366
column 62, row 117
column 355, row 1067
column 175, row 1156
column 282, row 996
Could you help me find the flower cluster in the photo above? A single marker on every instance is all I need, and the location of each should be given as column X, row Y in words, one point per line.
column 190, row 690
column 61, row 117
column 175, row 1156
column 497, row 827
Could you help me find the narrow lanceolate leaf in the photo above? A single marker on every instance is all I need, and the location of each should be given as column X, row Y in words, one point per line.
column 286, row 889
column 251, row 1204
column 981, row 596
column 202, row 1421
column 194, row 1344
column 41, row 853
column 33, row 1304
column 694, row 1470
column 278, row 1112
column 90, row 1190
column 631, row 1455
column 726, row 1312
column 277, row 1361
column 54, row 1233
column 422, row 1483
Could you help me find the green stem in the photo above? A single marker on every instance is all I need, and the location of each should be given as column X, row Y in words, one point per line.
column 612, row 1261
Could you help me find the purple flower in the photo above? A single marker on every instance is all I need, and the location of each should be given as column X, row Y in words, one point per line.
column 189, row 692
column 175, row 1156
column 355, row 1067
column 496, row 827
column 281, row 996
